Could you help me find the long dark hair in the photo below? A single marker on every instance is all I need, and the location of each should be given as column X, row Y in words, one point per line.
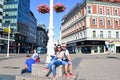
column 56, row 48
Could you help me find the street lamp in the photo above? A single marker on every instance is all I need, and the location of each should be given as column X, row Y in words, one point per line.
column 8, row 40
column 45, row 9
column 18, row 48
column 50, row 44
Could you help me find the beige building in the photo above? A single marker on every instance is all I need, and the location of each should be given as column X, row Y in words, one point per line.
column 92, row 27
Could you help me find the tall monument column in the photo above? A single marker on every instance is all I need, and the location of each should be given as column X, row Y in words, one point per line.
column 50, row 44
column 45, row 9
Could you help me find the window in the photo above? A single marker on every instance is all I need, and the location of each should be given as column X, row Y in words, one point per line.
column 108, row 11
column 0, row 13
column 117, row 34
column 1, row 6
column 7, row 0
column 109, row 34
column 6, row 15
column 116, row 12
column 108, row 23
column 89, row 9
column 101, row 34
column 0, row 20
column 101, row 22
column 94, row 33
column 94, row 21
column 100, row 10
column 116, row 23
column 84, row 34
column 7, row 22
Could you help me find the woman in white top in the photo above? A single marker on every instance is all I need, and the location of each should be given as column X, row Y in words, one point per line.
column 56, row 61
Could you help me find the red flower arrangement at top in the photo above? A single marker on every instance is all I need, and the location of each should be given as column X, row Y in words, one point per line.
column 58, row 7
column 43, row 8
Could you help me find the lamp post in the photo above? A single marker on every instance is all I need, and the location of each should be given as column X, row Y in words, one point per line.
column 50, row 44
column 45, row 9
column 8, row 40
column 18, row 48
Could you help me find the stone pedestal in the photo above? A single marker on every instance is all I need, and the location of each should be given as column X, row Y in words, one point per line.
column 26, row 77
column 37, row 70
column 30, row 77
column 39, row 74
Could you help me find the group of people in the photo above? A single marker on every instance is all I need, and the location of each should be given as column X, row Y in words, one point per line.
column 61, row 57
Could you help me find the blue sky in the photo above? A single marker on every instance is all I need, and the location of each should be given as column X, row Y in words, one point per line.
column 44, row 18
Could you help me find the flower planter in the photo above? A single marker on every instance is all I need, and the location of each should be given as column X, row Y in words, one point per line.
column 58, row 7
column 112, row 0
column 43, row 8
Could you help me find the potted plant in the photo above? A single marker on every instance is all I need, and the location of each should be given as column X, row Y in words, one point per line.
column 112, row 0
column 43, row 8
column 58, row 7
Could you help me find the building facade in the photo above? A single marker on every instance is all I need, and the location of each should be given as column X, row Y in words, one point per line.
column 42, row 38
column 1, row 11
column 4, row 41
column 32, row 31
column 17, row 14
column 1, row 29
column 92, row 26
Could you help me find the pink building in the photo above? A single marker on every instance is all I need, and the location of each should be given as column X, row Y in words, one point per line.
column 92, row 26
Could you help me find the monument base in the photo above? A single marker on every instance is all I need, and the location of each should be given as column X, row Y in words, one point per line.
column 37, row 70
column 39, row 74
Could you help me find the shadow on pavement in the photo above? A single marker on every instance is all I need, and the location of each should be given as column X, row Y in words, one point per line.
column 112, row 57
column 7, row 77
column 76, row 62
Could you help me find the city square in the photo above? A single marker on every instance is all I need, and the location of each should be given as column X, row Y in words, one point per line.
column 89, row 30
column 86, row 67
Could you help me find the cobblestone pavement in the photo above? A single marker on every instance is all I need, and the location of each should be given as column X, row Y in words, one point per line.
column 86, row 66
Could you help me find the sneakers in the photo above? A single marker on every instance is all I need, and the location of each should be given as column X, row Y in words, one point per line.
column 54, row 77
column 45, row 69
column 67, row 75
column 72, row 75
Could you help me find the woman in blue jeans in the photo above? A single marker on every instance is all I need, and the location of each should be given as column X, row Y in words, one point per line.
column 56, row 61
